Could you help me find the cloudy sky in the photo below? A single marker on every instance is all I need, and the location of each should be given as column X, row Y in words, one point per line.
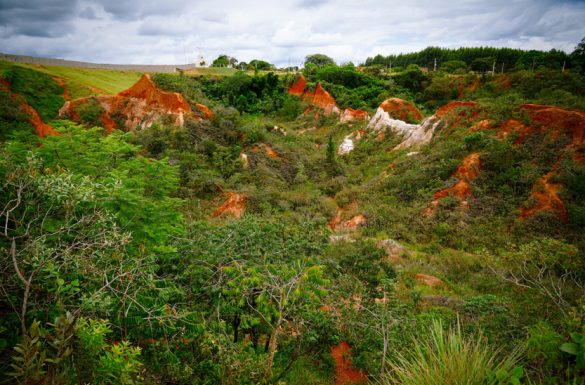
column 280, row 31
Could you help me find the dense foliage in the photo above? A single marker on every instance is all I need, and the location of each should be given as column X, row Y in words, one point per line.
column 118, row 267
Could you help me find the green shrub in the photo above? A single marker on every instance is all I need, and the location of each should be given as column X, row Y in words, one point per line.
column 448, row 358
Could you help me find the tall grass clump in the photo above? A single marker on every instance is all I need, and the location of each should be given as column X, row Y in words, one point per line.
column 448, row 358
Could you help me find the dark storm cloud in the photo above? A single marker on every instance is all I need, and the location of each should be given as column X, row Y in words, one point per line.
column 28, row 17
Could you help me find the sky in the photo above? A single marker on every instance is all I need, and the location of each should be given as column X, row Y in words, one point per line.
column 281, row 32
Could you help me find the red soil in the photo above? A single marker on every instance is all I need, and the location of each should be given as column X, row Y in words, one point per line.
column 545, row 194
column 449, row 107
column 349, row 115
column 235, row 205
column 141, row 104
column 338, row 223
column 41, row 128
column 559, row 119
column 319, row 98
column 401, row 110
column 322, row 99
column 61, row 82
column 429, row 280
column 269, row 151
column 298, row 87
column 467, row 171
column 206, row 111
column 346, row 374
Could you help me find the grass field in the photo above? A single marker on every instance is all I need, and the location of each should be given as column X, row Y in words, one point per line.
column 82, row 82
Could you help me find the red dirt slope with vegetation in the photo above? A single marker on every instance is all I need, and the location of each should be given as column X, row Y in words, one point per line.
column 401, row 110
column 467, row 171
column 140, row 105
column 345, row 373
column 235, row 205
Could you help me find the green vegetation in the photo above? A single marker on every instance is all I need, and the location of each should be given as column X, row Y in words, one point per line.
column 118, row 267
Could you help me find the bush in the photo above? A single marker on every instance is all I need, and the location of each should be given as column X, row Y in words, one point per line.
column 447, row 358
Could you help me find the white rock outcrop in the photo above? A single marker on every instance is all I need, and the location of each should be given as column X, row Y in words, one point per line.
column 413, row 134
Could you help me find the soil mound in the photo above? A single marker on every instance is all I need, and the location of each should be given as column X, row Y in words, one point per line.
column 138, row 106
column 401, row 110
column 235, row 205
column 429, row 280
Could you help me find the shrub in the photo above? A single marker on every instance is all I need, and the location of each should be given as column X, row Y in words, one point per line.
column 446, row 357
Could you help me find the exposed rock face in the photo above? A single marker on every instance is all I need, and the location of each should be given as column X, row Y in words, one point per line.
column 401, row 110
column 467, row 171
column 349, row 115
column 347, row 145
column 417, row 134
column 140, row 105
column 235, row 205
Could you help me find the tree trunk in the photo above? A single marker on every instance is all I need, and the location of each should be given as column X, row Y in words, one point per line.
column 272, row 350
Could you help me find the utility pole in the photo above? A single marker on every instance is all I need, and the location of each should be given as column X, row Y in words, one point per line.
column 564, row 62
column 435, row 67
column 494, row 68
column 502, row 68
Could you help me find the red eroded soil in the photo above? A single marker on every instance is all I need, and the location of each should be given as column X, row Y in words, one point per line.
column 323, row 99
column 545, row 194
column 142, row 104
column 298, row 86
column 401, row 110
column 429, row 280
column 235, row 205
column 345, row 373
column 467, row 171
column 349, row 115
column 449, row 107
column 319, row 98
column 338, row 223
column 61, row 82
column 555, row 118
column 206, row 111
column 41, row 128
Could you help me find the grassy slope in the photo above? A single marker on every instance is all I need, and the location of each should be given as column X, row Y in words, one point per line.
column 82, row 82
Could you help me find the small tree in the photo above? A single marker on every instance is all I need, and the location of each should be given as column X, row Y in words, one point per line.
column 319, row 60
column 330, row 150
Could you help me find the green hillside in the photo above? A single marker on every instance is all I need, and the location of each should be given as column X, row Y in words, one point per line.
column 247, row 249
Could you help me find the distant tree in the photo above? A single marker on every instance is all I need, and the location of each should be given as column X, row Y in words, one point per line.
column 233, row 62
column 454, row 66
column 483, row 64
column 221, row 61
column 319, row 60
column 578, row 55
column 260, row 65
